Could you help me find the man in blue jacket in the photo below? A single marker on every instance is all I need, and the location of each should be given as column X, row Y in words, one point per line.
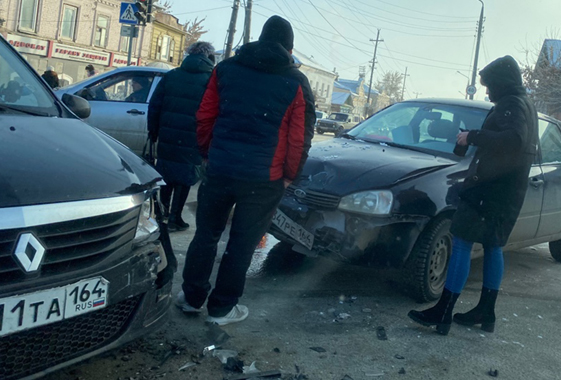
column 254, row 129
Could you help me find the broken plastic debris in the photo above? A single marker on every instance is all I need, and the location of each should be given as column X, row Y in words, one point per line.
column 518, row 343
column 540, row 317
column 250, row 369
column 374, row 374
column 493, row 372
column 318, row 349
column 208, row 349
column 223, row 355
column 234, row 365
column 186, row 365
column 539, row 336
column 401, row 371
column 343, row 315
column 516, row 315
column 367, row 310
column 398, row 356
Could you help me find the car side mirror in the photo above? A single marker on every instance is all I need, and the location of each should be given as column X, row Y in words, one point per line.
column 78, row 105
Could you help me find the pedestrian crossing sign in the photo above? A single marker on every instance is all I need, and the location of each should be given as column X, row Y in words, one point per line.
column 127, row 14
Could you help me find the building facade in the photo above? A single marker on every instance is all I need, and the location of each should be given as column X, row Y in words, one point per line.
column 321, row 80
column 167, row 41
column 70, row 34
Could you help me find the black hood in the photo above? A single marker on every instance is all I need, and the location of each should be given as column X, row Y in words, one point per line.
column 197, row 63
column 342, row 166
column 63, row 160
column 265, row 56
column 502, row 77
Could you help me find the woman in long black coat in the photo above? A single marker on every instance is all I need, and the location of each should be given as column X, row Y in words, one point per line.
column 172, row 122
column 491, row 196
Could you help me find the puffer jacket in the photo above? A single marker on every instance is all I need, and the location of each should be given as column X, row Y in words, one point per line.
column 494, row 189
column 256, row 120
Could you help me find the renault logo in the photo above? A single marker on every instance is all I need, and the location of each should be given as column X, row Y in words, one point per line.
column 29, row 252
column 300, row 193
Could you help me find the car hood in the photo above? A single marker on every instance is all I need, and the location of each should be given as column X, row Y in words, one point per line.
column 50, row 160
column 342, row 166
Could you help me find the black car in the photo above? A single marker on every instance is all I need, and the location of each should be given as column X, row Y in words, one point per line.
column 383, row 194
column 81, row 269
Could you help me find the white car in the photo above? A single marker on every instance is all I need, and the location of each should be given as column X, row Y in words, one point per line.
column 119, row 102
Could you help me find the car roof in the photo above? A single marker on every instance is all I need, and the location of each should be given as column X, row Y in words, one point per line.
column 140, row 68
column 454, row 102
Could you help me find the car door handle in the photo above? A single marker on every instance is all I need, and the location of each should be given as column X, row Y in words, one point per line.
column 536, row 182
column 136, row 112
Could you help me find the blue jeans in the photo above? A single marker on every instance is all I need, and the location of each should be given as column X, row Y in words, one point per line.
column 458, row 269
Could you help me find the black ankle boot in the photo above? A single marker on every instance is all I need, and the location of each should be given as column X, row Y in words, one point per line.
column 176, row 223
column 483, row 313
column 440, row 315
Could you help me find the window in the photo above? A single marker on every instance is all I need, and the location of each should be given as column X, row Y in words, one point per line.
column 123, row 87
column 28, row 15
column 69, row 22
column 550, row 142
column 322, row 88
column 165, row 48
column 101, row 31
column 171, row 50
column 327, row 93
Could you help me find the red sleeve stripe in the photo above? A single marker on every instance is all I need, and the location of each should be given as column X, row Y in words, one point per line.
column 290, row 147
column 207, row 114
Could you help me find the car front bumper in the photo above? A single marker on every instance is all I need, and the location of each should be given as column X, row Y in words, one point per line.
column 136, row 306
column 353, row 238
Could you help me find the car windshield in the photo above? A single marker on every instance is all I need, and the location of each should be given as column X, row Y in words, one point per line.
column 21, row 90
column 423, row 126
column 338, row 117
column 319, row 115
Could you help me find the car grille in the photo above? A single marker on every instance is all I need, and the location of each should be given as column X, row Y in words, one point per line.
column 71, row 245
column 34, row 350
column 314, row 198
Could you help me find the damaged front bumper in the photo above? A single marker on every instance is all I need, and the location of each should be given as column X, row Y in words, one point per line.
column 135, row 307
column 353, row 238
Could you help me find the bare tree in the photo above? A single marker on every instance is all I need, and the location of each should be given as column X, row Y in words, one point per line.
column 543, row 78
column 194, row 30
column 391, row 84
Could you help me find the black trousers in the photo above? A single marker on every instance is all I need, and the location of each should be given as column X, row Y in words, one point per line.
column 256, row 203
column 174, row 206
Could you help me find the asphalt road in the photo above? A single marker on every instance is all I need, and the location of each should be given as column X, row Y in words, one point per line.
column 321, row 320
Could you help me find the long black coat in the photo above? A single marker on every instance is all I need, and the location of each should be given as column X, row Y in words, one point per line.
column 494, row 189
column 171, row 117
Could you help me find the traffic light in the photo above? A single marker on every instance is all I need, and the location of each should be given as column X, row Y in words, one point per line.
column 141, row 13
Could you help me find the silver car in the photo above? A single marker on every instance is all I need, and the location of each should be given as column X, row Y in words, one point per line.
column 119, row 102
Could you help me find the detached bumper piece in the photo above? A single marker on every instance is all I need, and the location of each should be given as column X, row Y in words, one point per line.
column 35, row 350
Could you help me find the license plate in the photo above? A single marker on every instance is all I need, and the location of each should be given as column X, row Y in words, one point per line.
column 31, row 310
column 293, row 229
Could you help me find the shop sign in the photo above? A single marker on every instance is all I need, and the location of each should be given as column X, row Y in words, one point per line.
column 28, row 45
column 121, row 60
column 79, row 54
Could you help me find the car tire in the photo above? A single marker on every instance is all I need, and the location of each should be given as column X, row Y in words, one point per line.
column 339, row 131
column 555, row 250
column 428, row 263
column 282, row 259
column 320, row 131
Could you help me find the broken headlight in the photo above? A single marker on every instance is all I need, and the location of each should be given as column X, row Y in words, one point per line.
column 147, row 228
column 368, row 202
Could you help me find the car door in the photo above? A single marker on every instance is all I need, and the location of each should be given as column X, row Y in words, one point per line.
column 119, row 106
column 550, row 152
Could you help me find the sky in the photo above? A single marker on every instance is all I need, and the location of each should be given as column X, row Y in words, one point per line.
column 430, row 39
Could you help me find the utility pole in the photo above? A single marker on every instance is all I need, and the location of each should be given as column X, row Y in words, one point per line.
column 247, row 25
column 479, row 32
column 417, row 94
column 404, row 78
column 372, row 72
column 232, row 29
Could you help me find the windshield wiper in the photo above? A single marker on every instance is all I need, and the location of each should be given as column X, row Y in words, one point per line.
column 347, row 136
column 397, row 145
column 4, row 107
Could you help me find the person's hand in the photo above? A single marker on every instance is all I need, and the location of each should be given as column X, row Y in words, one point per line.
column 287, row 183
column 461, row 139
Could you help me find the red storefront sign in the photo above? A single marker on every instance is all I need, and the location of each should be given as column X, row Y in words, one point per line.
column 28, row 45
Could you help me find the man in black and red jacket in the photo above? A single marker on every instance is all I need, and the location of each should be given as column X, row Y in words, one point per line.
column 254, row 130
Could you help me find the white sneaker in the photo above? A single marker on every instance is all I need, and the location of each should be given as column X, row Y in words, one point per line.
column 237, row 314
column 181, row 303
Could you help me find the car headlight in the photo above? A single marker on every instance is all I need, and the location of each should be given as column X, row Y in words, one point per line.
column 147, row 229
column 368, row 202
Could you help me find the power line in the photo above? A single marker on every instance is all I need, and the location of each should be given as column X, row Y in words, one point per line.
column 426, row 13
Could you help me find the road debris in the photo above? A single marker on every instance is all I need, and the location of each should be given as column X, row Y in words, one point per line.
column 186, row 365
column 216, row 334
column 250, row 369
column 381, row 333
column 398, row 356
column 318, row 349
column 264, row 374
column 223, row 355
column 208, row 349
column 234, row 365
column 401, row 371
column 493, row 372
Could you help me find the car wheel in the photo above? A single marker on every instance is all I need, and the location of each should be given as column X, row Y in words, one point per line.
column 428, row 263
column 555, row 249
column 320, row 131
column 339, row 131
column 282, row 259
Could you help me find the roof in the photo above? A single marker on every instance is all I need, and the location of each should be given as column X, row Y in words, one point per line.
column 551, row 53
column 354, row 86
column 340, row 97
column 300, row 58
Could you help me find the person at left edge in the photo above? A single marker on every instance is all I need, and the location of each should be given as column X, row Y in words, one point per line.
column 172, row 122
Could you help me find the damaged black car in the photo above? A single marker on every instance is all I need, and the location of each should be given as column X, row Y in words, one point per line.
column 383, row 194
column 81, row 268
